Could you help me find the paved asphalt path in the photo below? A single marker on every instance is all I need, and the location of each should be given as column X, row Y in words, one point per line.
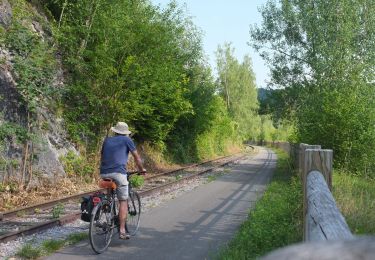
column 195, row 224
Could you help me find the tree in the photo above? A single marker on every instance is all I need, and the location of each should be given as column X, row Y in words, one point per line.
column 323, row 52
column 208, row 129
column 236, row 83
column 134, row 62
column 132, row 66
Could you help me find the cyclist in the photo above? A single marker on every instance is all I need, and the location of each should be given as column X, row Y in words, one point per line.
column 114, row 158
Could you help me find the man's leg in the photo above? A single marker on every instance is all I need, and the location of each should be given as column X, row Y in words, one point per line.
column 122, row 195
column 123, row 213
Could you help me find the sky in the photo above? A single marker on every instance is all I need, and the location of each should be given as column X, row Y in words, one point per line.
column 226, row 21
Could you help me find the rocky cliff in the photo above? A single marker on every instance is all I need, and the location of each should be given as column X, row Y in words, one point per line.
column 31, row 131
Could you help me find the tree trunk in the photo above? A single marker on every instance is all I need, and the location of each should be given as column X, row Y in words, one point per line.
column 89, row 22
column 26, row 154
column 30, row 170
column 62, row 12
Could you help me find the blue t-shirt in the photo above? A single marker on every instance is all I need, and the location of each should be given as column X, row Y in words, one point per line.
column 115, row 153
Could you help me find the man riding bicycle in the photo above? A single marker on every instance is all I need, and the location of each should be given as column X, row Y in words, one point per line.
column 115, row 151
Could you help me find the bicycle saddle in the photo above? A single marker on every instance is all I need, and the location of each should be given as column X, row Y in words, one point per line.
column 107, row 183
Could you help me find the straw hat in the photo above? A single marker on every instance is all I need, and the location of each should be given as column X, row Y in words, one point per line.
column 121, row 128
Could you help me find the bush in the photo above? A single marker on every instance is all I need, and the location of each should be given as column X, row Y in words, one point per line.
column 58, row 210
column 137, row 181
column 8, row 130
column 75, row 165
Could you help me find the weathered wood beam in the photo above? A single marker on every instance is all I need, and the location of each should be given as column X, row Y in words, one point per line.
column 313, row 159
column 324, row 220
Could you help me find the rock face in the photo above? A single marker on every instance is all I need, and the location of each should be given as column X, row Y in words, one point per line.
column 50, row 141
column 5, row 13
column 52, row 146
column 11, row 109
column 10, row 104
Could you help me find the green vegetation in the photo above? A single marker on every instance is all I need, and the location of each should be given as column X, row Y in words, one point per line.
column 284, row 130
column 29, row 252
column 236, row 84
column 211, row 178
column 8, row 130
column 276, row 219
column 137, row 181
column 355, row 196
column 134, row 62
column 76, row 165
column 34, row 63
column 21, row 213
column 58, row 210
column 76, row 237
column 124, row 66
column 50, row 246
column 47, row 247
column 321, row 55
column 9, row 187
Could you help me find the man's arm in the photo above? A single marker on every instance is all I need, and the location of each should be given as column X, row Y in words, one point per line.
column 138, row 161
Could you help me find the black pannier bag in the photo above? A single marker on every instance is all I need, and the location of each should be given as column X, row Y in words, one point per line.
column 88, row 203
column 86, row 208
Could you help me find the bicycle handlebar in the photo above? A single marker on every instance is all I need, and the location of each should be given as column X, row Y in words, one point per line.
column 136, row 172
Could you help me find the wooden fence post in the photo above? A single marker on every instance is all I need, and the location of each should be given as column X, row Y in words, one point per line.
column 302, row 149
column 319, row 160
column 294, row 155
column 316, row 160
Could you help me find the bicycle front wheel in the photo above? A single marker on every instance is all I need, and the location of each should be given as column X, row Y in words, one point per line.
column 134, row 213
column 101, row 227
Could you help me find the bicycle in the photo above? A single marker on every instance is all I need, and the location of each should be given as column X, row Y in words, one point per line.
column 104, row 216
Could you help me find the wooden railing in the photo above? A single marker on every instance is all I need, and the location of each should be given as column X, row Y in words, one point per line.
column 326, row 233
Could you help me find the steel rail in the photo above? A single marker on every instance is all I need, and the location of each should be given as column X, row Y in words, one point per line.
column 186, row 167
column 42, row 206
column 170, row 184
column 39, row 227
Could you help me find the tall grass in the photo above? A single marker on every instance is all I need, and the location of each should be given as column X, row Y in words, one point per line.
column 355, row 196
column 276, row 219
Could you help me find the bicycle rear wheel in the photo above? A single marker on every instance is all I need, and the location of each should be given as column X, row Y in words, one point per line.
column 134, row 213
column 101, row 227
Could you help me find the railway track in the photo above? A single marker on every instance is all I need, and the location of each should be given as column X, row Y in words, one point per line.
column 29, row 220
